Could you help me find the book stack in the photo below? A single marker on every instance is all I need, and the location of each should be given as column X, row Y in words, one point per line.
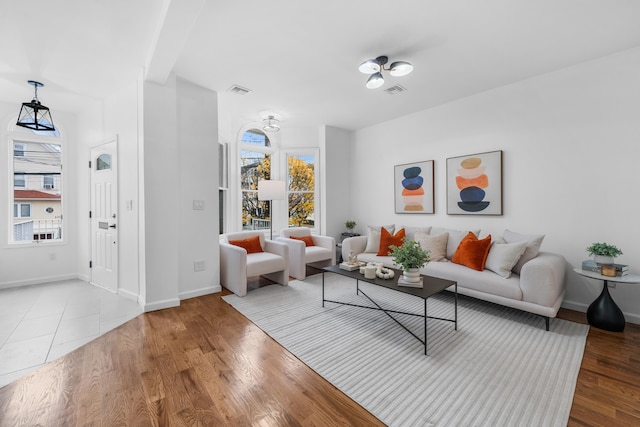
column 591, row 265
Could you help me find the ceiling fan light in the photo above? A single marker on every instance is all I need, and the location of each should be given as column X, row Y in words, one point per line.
column 400, row 68
column 375, row 81
column 370, row 66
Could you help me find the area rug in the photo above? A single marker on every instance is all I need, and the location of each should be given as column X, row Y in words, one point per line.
column 500, row 368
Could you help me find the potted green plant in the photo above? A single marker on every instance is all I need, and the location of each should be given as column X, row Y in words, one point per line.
column 411, row 257
column 350, row 224
column 603, row 253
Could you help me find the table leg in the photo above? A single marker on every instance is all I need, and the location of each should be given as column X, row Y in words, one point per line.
column 603, row 313
column 323, row 288
column 425, row 326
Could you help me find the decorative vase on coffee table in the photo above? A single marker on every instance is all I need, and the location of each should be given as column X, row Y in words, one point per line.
column 603, row 259
column 411, row 275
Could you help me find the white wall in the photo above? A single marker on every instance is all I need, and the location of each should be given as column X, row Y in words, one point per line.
column 336, row 186
column 197, row 121
column 38, row 263
column 570, row 151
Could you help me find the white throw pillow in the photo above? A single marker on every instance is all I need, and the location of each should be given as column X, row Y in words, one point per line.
column 373, row 237
column 410, row 232
column 533, row 243
column 436, row 245
column 503, row 257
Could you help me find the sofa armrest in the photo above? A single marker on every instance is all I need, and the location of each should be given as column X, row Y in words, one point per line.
column 327, row 242
column 233, row 268
column 542, row 279
column 357, row 244
column 277, row 248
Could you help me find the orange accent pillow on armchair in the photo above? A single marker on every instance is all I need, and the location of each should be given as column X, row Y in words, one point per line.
column 308, row 240
column 386, row 240
column 251, row 244
column 472, row 252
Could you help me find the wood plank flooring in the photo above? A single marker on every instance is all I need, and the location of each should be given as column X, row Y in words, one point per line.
column 205, row 364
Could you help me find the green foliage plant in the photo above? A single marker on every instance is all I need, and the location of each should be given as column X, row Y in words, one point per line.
column 409, row 255
column 604, row 249
column 350, row 224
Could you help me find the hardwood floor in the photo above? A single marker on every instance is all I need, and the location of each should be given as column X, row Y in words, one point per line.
column 203, row 363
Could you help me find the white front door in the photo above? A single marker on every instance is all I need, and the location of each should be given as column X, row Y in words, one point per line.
column 104, row 216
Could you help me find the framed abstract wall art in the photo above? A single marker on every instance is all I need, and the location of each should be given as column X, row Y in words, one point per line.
column 474, row 184
column 413, row 188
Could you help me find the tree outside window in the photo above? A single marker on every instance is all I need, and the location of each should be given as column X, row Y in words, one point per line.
column 301, row 188
column 255, row 165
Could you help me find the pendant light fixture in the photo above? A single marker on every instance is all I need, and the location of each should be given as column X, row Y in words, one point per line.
column 271, row 124
column 374, row 67
column 33, row 115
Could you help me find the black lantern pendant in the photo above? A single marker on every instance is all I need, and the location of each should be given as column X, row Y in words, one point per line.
column 34, row 115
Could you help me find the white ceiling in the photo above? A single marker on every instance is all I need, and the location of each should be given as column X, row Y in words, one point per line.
column 300, row 58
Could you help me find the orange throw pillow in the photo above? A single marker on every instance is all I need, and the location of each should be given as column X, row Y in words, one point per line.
column 472, row 252
column 308, row 240
column 386, row 240
column 251, row 244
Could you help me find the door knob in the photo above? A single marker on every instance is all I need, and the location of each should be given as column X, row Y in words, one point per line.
column 112, row 226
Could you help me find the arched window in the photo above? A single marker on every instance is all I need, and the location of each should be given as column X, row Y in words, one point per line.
column 255, row 164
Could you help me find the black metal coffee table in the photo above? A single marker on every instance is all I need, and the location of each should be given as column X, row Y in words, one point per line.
column 431, row 286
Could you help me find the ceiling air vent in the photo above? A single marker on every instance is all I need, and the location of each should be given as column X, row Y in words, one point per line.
column 395, row 89
column 238, row 90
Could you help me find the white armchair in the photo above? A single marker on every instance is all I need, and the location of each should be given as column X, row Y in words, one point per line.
column 323, row 250
column 236, row 265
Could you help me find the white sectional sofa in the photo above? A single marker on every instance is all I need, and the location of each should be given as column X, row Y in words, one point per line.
column 534, row 282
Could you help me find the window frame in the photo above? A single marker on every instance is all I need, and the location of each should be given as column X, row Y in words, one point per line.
column 270, row 150
column 23, row 138
column 315, row 152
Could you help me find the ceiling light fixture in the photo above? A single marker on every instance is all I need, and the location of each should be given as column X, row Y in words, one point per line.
column 376, row 66
column 271, row 124
column 33, row 115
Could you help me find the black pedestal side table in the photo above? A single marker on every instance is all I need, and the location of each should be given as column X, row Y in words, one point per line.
column 604, row 313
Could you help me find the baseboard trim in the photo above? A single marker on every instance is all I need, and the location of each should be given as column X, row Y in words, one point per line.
column 582, row 308
column 160, row 305
column 128, row 295
column 200, row 292
column 38, row 281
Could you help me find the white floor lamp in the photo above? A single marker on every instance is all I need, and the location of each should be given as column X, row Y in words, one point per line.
column 271, row 190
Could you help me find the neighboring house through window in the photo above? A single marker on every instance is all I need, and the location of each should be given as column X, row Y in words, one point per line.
column 36, row 167
column 255, row 165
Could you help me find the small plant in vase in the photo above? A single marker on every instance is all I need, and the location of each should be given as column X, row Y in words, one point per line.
column 350, row 224
column 411, row 257
column 603, row 253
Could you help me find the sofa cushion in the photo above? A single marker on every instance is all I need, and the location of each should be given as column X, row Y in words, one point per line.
column 472, row 252
column 436, row 245
column 373, row 237
column 263, row 263
column 454, row 239
column 482, row 281
column 386, row 240
column 250, row 244
column 316, row 253
column 533, row 243
column 308, row 240
column 503, row 257
column 410, row 232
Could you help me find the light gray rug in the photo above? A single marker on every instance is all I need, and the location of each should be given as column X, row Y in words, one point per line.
column 501, row 368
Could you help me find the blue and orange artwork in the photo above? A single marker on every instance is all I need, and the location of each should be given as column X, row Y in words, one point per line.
column 471, row 182
column 414, row 187
column 474, row 184
column 412, row 191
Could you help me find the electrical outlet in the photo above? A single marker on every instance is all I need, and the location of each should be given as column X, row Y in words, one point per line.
column 198, row 205
column 199, row 265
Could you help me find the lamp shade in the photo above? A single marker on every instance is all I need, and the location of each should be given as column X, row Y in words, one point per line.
column 271, row 190
column 375, row 81
column 369, row 66
column 400, row 68
column 33, row 115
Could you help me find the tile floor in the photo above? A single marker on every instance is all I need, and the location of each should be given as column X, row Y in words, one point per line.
column 40, row 323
